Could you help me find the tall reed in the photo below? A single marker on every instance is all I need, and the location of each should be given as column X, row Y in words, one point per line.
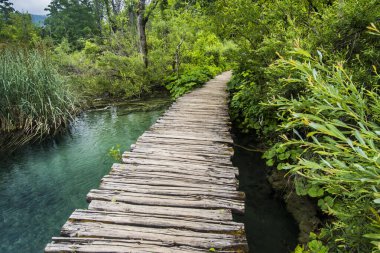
column 34, row 98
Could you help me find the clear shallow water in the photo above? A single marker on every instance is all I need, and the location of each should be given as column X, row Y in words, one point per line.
column 42, row 184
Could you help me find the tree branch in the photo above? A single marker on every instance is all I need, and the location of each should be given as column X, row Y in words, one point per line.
column 151, row 8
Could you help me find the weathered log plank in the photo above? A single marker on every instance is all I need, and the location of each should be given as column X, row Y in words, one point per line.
column 148, row 188
column 186, row 179
column 204, row 153
column 168, row 182
column 92, row 245
column 182, row 165
column 216, row 214
column 185, row 147
column 179, row 175
column 176, row 236
column 206, row 202
column 181, row 141
column 157, row 221
column 187, row 137
column 179, row 157
column 124, row 169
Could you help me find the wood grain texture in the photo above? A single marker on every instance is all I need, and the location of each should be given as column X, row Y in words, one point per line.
column 175, row 191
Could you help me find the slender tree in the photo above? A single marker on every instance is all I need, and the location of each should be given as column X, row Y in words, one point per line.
column 5, row 10
column 143, row 13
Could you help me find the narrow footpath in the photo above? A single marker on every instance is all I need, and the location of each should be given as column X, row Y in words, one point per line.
column 175, row 191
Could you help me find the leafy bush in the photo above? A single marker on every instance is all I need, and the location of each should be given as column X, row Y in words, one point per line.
column 188, row 81
column 98, row 70
column 35, row 100
column 318, row 118
column 330, row 139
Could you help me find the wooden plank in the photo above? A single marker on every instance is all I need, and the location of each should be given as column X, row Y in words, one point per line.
column 195, row 115
column 191, row 120
column 161, row 152
column 191, row 179
column 203, row 151
column 116, row 185
column 185, row 146
column 183, row 165
column 157, row 221
column 199, row 131
column 187, row 137
column 222, row 125
column 193, row 127
column 206, row 202
column 175, row 236
column 216, row 214
column 124, row 169
column 173, row 175
column 181, row 141
column 179, row 157
column 91, row 245
column 168, row 182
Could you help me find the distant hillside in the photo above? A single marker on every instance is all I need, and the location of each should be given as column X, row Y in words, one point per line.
column 38, row 19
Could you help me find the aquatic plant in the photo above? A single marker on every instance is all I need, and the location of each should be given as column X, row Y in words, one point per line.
column 35, row 101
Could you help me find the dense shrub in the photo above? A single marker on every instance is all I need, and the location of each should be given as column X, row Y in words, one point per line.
column 329, row 142
column 188, row 81
column 317, row 115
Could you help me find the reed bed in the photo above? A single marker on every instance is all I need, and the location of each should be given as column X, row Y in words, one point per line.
column 34, row 98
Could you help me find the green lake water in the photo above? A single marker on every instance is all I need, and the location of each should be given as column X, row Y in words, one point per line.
column 42, row 184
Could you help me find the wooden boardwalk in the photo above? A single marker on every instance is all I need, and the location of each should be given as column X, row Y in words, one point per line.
column 175, row 191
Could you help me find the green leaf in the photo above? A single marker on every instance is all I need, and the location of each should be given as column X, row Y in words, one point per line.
column 270, row 162
column 372, row 236
column 302, row 52
column 315, row 191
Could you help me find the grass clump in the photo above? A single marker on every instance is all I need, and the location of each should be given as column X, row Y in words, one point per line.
column 35, row 101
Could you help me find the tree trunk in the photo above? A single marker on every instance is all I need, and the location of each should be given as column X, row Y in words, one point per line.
column 177, row 59
column 110, row 16
column 141, row 28
column 116, row 6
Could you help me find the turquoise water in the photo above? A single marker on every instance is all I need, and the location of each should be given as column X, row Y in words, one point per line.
column 42, row 184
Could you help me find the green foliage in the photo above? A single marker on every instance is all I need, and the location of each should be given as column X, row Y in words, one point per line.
column 16, row 27
column 314, row 246
column 73, row 20
column 324, row 115
column 100, row 70
column 188, row 81
column 187, row 54
column 337, row 125
column 181, row 56
column 35, row 100
column 5, row 10
column 115, row 153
